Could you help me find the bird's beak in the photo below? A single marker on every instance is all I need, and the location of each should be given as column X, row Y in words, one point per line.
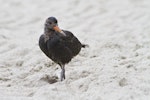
column 57, row 29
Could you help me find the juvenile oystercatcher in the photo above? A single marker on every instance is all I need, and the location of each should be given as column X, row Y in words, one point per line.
column 59, row 45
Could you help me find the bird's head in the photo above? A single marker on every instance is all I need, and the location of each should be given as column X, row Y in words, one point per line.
column 51, row 23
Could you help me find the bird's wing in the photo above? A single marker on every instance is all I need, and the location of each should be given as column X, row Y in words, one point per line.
column 43, row 45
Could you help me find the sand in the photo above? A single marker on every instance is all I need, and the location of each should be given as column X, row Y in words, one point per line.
column 116, row 66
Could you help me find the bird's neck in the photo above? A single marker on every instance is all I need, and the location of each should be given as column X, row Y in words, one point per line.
column 48, row 31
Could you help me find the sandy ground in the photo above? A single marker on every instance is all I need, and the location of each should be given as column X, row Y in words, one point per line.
column 116, row 66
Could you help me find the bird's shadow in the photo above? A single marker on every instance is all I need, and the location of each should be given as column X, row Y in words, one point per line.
column 50, row 79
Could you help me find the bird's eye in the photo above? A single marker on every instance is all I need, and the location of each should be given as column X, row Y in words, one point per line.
column 56, row 21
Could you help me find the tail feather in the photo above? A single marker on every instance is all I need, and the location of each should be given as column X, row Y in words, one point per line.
column 85, row 45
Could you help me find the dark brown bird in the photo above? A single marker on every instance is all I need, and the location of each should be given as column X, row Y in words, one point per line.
column 59, row 45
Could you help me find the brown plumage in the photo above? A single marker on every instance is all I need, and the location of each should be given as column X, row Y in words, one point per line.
column 59, row 45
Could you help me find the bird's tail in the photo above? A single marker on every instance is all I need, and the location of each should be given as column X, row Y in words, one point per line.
column 85, row 45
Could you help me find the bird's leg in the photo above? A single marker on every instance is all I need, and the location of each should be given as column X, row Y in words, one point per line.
column 62, row 72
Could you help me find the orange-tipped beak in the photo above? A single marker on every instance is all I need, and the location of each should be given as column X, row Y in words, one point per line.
column 56, row 28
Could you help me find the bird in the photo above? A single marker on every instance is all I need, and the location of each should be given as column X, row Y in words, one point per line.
column 59, row 45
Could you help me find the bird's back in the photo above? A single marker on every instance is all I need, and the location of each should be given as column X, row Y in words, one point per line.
column 56, row 49
column 61, row 49
column 72, row 43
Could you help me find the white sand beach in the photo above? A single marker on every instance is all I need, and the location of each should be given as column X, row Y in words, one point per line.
column 116, row 66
